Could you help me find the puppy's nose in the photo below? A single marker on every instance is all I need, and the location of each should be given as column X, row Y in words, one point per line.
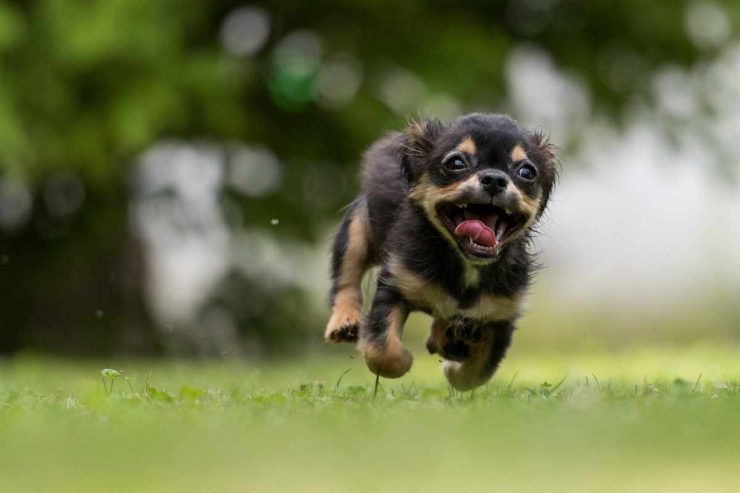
column 494, row 181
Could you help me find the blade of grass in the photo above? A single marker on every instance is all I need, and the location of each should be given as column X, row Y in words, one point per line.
column 508, row 387
column 698, row 380
column 598, row 385
column 339, row 380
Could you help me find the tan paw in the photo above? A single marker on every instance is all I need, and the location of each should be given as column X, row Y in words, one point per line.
column 343, row 326
column 465, row 376
column 393, row 361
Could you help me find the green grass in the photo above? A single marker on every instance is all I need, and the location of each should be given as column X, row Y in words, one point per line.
column 637, row 420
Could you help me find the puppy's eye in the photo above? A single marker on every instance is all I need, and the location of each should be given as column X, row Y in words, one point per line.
column 527, row 172
column 454, row 163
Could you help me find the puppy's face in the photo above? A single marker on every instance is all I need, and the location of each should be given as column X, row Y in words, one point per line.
column 482, row 181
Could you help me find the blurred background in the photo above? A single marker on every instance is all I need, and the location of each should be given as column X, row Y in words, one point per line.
column 171, row 173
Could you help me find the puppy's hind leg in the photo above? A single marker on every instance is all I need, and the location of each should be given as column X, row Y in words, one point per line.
column 350, row 260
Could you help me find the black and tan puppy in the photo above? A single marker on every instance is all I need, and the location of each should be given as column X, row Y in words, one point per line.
column 447, row 211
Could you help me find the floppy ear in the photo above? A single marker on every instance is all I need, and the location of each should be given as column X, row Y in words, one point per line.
column 416, row 143
column 544, row 153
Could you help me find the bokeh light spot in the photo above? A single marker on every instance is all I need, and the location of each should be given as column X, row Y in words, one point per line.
column 245, row 31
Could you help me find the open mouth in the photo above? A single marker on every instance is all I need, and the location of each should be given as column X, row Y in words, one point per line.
column 480, row 229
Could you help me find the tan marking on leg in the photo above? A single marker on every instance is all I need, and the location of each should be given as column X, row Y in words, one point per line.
column 436, row 338
column 391, row 360
column 353, row 265
column 346, row 315
column 518, row 154
column 467, row 146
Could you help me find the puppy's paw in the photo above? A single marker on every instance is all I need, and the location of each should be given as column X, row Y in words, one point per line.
column 464, row 376
column 343, row 326
column 455, row 340
column 393, row 361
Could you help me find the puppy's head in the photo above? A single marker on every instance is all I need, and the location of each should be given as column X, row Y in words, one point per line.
column 482, row 181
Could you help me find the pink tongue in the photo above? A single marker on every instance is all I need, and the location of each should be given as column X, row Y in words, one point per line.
column 481, row 234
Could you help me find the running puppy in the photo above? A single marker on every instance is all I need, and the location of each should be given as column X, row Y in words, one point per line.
column 447, row 211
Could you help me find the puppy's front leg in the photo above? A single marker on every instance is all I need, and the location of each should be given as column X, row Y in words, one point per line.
column 349, row 262
column 380, row 341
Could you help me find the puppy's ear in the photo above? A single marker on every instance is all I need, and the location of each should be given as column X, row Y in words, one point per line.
column 416, row 143
column 544, row 153
column 544, row 147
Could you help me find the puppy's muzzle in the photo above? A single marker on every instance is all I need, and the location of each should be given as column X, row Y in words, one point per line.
column 493, row 181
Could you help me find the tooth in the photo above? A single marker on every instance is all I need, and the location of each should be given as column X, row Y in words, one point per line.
column 508, row 211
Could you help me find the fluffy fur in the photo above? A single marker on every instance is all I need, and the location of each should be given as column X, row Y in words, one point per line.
column 447, row 212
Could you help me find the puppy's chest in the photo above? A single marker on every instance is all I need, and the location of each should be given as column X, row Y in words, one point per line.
column 432, row 298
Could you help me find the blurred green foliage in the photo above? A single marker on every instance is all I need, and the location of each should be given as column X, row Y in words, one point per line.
column 90, row 85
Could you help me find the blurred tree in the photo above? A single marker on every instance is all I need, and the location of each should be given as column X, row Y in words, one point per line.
column 86, row 87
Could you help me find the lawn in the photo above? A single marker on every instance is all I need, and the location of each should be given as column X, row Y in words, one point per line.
column 638, row 420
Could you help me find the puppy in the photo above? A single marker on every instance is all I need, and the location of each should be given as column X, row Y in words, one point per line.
column 447, row 211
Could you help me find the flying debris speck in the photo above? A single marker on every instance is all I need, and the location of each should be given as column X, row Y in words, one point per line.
column 274, row 221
